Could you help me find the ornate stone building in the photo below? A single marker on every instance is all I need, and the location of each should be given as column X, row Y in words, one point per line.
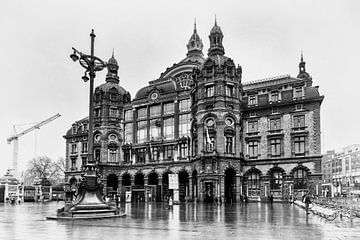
column 224, row 138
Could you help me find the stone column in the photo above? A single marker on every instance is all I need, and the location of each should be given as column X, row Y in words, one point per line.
column 238, row 187
column 160, row 182
column 222, row 187
column 191, row 188
column 146, row 182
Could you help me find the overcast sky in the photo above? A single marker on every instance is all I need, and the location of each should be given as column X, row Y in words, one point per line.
column 38, row 79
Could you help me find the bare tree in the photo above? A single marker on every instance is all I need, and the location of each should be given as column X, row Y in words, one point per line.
column 44, row 167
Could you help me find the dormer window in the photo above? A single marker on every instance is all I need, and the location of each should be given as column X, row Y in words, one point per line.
column 274, row 111
column 298, row 92
column 298, row 107
column 74, row 129
column 274, row 97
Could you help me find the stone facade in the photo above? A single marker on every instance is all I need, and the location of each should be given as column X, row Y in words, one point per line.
column 225, row 139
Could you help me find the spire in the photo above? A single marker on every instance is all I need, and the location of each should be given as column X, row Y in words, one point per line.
column 302, row 71
column 195, row 45
column 113, row 67
column 216, row 36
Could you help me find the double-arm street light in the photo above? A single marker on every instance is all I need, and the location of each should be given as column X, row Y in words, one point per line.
column 92, row 64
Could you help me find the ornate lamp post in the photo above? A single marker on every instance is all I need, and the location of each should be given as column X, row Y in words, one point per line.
column 92, row 64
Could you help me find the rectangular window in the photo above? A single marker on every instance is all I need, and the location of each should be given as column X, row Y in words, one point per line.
column 184, row 105
column 275, row 124
column 142, row 131
column 128, row 132
column 210, row 144
column 298, row 92
column 112, row 157
column 140, row 155
column 183, row 150
column 142, row 112
column 168, row 108
column 83, row 161
column 275, row 146
column 113, row 112
column 155, row 153
column 253, row 127
column 73, row 164
column 252, row 100
column 128, row 115
column 155, row 111
column 97, row 155
column 127, row 156
column 169, row 128
column 299, row 145
column 184, row 125
column 274, row 96
column 73, row 148
column 253, row 149
column 299, row 122
column 209, row 91
column 229, row 144
column 85, row 127
column 97, row 112
column 155, row 129
column 169, row 152
column 229, row 90
column 84, row 147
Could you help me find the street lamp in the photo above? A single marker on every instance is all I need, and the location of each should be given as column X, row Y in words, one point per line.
column 92, row 64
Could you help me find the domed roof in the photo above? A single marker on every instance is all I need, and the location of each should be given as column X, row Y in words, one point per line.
column 311, row 92
column 195, row 45
column 112, row 60
column 162, row 88
column 216, row 29
column 218, row 60
column 110, row 85
column 216, row 37
column 113, row 67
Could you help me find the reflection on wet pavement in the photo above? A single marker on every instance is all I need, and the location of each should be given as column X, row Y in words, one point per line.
column 186, row 221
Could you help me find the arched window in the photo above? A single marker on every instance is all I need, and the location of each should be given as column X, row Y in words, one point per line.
column 300, row 179
column 254, row 184
column 209, row 135
column 275, row 180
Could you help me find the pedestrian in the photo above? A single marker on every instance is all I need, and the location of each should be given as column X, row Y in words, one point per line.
column 307, row 202
column 271, row 198
column 117, row 200
column 170, row 202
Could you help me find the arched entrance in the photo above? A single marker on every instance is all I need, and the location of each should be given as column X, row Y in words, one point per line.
column 166, row 192
column 183, row 185
column 194, row 192
column 112, row 183
column 138, row 190
column 230, row 185
column 126, row 187
column 126, row 180
column 153, row 189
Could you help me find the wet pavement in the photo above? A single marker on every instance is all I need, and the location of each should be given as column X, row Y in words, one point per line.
column 187, row 221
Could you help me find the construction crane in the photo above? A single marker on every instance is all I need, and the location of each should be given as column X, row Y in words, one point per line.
column 15, row 138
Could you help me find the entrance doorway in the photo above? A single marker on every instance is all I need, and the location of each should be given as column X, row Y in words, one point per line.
column 230, row 185
column 208, row 192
